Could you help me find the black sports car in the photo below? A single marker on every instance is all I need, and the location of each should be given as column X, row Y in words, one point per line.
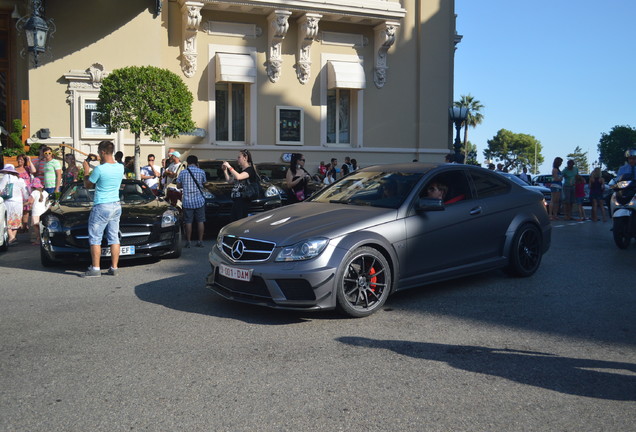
column 218, row 203
column 275, row 172
column 149, row 226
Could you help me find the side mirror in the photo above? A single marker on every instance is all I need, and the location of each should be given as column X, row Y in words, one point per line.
column 429, row 204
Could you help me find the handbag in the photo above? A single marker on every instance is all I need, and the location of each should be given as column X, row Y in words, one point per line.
column 7, row 192
column 253, row 190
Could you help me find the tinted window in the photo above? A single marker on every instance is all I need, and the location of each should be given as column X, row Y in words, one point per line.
column 455, row 184
column 487, row 184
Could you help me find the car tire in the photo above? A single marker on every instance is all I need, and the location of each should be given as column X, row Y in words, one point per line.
column 620, row 231
column 176, row 252
column 526, row 251
column 45, row 259
column 363, row 282
column 5, row 236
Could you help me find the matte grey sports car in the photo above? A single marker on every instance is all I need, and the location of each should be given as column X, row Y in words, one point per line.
column 378, row 231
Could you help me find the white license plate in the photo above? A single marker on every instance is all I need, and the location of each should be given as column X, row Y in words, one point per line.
column 123, row 250
column 235, row 273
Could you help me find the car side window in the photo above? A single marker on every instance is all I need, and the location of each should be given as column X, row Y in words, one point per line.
column 488, row 185
column 455, row 183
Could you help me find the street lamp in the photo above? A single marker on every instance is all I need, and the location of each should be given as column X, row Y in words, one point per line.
column 36, row 30
column 458, row 117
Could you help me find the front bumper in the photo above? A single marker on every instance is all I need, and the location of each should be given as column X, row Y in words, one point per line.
column 68, row 246
column 300, row 285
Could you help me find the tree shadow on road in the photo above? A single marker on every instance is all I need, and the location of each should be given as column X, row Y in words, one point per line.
column 580, row 377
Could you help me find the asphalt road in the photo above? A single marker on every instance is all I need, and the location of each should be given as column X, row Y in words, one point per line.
column 153, row 350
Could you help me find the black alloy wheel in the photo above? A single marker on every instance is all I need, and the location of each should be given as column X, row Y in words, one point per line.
column 363, row 282
column 526, row 251
column 45, row 259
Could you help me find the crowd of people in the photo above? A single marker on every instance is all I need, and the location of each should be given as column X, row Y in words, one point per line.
column 33, row 182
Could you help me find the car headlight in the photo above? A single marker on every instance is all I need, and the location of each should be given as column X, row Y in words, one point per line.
column 219, row 239
column 168, row 218
column 273, row 191
column 304, row 250
column 53, row 224
column 208, row 195
column 623, row 184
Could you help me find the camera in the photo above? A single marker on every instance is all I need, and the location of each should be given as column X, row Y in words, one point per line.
column 91, row 158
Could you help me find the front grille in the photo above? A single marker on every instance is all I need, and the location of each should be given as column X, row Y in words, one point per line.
column 255, row 288
column 130, row 235
column 242, row 249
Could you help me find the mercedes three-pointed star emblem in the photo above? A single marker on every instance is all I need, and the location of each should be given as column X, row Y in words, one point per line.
column 237, row 249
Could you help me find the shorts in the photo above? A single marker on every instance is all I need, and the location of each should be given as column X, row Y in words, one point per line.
column 104, row 217
column 554, row 189
column 191, row 214
column 594, row 196
column 568, row 196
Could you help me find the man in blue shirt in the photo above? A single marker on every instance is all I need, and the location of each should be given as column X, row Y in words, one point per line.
column 630, row 166
column 106, row 179
column 191, row 180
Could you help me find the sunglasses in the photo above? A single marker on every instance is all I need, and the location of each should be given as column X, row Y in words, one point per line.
column 47, row 153
column 150, row 160
column 302, row 160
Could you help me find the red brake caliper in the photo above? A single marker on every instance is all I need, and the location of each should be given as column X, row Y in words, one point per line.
column 373, row 279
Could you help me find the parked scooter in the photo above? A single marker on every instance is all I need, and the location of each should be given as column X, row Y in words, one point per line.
column 623, row 211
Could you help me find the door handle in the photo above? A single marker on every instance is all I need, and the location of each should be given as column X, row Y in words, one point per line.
column 475, row 211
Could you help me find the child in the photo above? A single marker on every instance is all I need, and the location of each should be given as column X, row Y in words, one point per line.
column 579, row 194
column 39, row 204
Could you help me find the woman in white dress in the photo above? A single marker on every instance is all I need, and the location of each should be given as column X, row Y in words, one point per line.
column 14, row 204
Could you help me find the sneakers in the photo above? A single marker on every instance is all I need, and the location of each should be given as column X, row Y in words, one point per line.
column 187, row 244
column 91, row 272
column 199, row 244
column 113, row 271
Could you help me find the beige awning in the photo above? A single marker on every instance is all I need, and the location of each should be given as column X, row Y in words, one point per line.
column 349, row 75
column 235, row 68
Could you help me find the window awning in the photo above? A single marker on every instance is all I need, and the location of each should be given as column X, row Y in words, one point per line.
column 235, row 68
column 349, row 75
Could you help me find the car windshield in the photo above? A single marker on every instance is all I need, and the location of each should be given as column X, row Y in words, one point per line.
column 272, row 171
column 371, row 188
column 214, row 170
column 129, row 192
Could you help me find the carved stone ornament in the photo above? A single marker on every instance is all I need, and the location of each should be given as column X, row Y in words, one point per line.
column 191, row 18
column 384, row 39
column 278, row 26
column 96, row 71
column 307, row 33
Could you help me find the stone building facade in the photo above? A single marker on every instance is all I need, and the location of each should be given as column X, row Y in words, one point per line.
column 369, row 79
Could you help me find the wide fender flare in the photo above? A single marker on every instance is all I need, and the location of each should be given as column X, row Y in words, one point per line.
column 515, row 224
column 359, row 239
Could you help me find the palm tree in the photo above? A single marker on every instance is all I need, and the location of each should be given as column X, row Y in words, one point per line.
column 474, row 116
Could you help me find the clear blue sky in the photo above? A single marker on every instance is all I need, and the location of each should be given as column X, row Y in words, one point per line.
column 561, row 71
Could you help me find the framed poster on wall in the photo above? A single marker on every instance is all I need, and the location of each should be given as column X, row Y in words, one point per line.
column 289, row 125
column 90, row 127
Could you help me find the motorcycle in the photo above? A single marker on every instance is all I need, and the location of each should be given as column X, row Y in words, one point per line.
column 623, row 211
